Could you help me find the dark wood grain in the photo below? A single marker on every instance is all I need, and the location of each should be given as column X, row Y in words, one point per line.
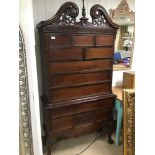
column 59, row 40
column 104, row 40
column 72, row 108
column 65, row 54
column 79, row 66
column 72, row 79
column 77, row 92
column 83, row 41
column 99, row 53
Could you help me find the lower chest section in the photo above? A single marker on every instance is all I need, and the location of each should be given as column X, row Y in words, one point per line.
column 80, row 118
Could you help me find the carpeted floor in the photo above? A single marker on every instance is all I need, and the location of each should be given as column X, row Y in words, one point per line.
column 76, row 145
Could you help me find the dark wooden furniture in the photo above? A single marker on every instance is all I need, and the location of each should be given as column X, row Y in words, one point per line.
column 77, row 72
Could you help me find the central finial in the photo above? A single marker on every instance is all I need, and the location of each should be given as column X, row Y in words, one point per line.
column 83, row 19
column 83, row 10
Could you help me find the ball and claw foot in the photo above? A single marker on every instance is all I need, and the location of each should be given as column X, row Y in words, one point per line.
column 110, row 141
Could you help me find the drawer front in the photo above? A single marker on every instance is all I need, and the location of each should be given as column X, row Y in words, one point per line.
column 83, row 40
column 61, row 123
column 92, row 117
column 59, row 40
column 65, row 53
column 78, row 131
column 105, row 40
column 61, row 67
column 106, row 52
column 76, row 120
column 81, row 107
column 72, row 79
column 77, row 92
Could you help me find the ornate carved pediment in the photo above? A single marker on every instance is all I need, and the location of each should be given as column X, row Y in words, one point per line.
column 66, row 18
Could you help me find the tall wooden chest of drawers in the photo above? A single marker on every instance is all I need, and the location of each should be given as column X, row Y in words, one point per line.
column 77, row 70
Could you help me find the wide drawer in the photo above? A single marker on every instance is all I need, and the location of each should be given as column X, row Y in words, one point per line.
column 61, row 67
column 72, row 79
column 73, row 92
column 72, row 108
column 79, row 131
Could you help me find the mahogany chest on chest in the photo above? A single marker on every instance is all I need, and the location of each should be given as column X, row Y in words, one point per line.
column 77, row 70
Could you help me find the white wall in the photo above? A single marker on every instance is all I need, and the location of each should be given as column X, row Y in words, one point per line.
column 27, row 26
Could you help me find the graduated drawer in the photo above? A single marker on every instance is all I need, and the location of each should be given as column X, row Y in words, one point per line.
column 59, row 40
column 65, row 53
column 74, row 92
column 93, row 116
column 81, row 107
column 83, row 40
column 105, row 40
column 92, row 53
column 73, row 79
column 61, row 67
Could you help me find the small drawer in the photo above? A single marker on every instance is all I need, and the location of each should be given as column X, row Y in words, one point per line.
column 84, row 118
column 83, row 40
column 59, row 40
column 92, row 53
column 104, row 40
column 65, row 53
column 61, row 123
column 92, row 116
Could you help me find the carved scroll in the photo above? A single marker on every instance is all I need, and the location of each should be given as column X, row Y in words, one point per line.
column 100, row 17
column 66, row 15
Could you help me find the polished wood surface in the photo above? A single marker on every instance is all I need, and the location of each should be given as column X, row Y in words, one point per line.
column 129, row 80
column 77, row 70
column 118, row 91
column 62, row 67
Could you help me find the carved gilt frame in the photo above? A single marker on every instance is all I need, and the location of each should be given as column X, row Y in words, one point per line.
column 122, row 9
column 25, row 134
column 129, row 121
